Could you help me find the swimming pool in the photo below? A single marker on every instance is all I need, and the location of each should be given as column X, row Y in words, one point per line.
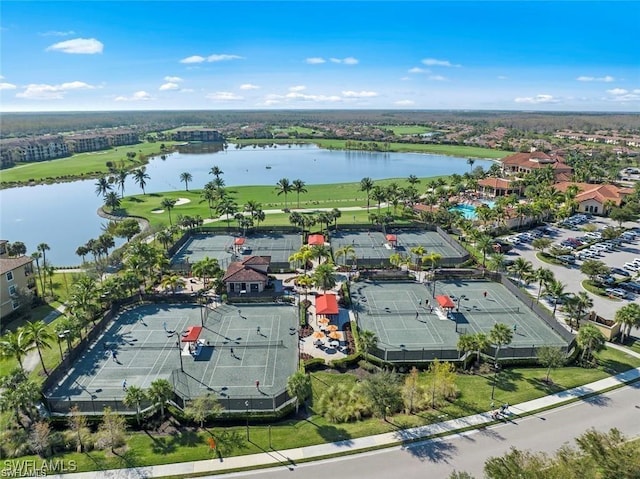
column 469, row 211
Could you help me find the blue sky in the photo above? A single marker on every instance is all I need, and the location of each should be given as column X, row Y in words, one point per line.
column 158, row 55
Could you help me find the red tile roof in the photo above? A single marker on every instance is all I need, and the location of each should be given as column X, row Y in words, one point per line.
column 326, row 304
column 496, row 183
column 9, row 264
column 535, row 160
column 241, row 271
column 315, row 240
column 257, row 260
column 600, row 193
column 445, row 301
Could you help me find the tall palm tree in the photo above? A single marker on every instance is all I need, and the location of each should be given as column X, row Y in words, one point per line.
column 556, row 290
column 480, row 343
column 413, row 180
column 346, row 250
column 41, row 338
column 135, row 396
column 159, row 393
column 483, row 243
column 521, row 267
column 366, row 185
column 227, row 207
column 121, row 178
column 36, row 256
column 589, row 339
column 216, row 171
column 302, row 256
column 379, row 194
column 168, row 204
column 299, row 187
column 186, row 177
column 583, row 303
column 15, row 344
column 284, row 187
column 628, row 317
column 419, row 252
column 496, row 262
column 543, row 276
column 112, row 200
column 500, row 335
column 173, row 282
column 299, row 386
column 367, row 341
column 470, row 162
column 103, row 186
column 465, row 344
column 140, row 176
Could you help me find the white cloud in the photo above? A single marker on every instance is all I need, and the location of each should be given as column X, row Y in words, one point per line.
column 86, row 46
column 315, row 60
column 538, row 99
column 345, row 61
column 436, row 78
column 432, row 62
column 216, row 57
column 249, row 86
column 224, row 96
column 359, row 94
column 502, row 77
column 313, row 98
column 193, row 59
column 405, row 78
column 171, row 79
column 169, row 86
column 418, row 70
column 404, row 102
column 7, row 86
column 605, row 79
column 297, row 88
column 622, row 95
column 55, row 33
column 42, row 91
column 187, row 90
column 137, row 96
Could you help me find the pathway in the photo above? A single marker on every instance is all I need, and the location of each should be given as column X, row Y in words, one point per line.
column 291, row 456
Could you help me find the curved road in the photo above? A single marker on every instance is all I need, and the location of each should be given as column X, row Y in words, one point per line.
column 437, row 458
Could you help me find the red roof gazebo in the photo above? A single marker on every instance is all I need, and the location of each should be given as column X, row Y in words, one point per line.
column 315, row 240
column 192, row 334
column 238, row 241
column 445, row 302
column 326, row 305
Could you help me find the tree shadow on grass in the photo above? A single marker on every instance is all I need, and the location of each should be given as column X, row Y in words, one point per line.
column 506, row 380
column 433, row 450
column 161, row 445
column 335, row 434
column 187, row 438
column 541, row 384
column 612, row 366
column 129, row 459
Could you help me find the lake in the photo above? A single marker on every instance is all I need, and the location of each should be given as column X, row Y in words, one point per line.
column 64, row 215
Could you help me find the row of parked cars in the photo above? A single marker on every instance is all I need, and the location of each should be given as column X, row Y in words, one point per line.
column 528, row 236
column 574, row 221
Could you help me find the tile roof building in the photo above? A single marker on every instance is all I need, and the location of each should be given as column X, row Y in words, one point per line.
column 247, row 276
column 522, row 163
column 595, row 198
column 16, row 273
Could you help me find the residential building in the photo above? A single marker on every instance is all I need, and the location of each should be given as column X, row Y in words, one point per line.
column 87, row 142
column 15, row 274
column 492, row 187
column 522, row 163
column 197, row 134
column 247, row 276
column 596, row 199
column 25, row 150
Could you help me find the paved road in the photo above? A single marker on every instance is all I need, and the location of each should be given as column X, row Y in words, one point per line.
column 545, row 431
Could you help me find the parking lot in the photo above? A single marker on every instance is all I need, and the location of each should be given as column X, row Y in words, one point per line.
column 613, row 255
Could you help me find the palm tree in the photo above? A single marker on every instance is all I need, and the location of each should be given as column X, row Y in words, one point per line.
column 299, row 187
column 302, row 256
column 164, row 237
column 628, row 317
column 172, row 281
column 470, row 162
column 413, row 180
column 367, row 341
column 480, row 343
column 140, row 176
column 379, row 195
column 582, row 302
column 216, row 171
column 346, row 250
column 483, row 244
column 283, row 187
column 168, row 204
column 324, row 277
column 500, row 335
column 521, row 268
column 41, row 337
column 159, row 393
column 36, row 255
column 82, row 251
column 496, row 262
column 227, row 207
column 112, row 200
column 543, row 276
column 419, row 252
column 103, row 186
column 135, row 396
column 465, row 344
column 299, row 386
column 186, row 177
column 555, row 289
column 15, row 344
column 366, row 185
column 590, row 339
column 121, row 178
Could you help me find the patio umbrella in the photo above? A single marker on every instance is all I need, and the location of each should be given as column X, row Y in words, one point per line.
column 318, row 335
column 332, row 327
column 323, row 321
column 334, row 335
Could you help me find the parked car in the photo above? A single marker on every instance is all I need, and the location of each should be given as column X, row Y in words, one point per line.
column 565, row 258
column 620, row 271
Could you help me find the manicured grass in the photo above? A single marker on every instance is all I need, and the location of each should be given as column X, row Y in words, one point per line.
column 595, row 289
column 321, row 196
column 91, row 164
column 406, row 129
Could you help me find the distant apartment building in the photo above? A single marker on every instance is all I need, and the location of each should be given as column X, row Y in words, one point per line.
column 522, row 163
column 25, row 150
column 15, row 274
column 87, row 142
column 197, row 134
column 121, row 137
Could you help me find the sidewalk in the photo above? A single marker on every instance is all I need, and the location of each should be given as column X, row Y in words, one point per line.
column 291, row 456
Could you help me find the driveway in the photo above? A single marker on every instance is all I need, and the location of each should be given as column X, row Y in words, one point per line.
column 571, row 275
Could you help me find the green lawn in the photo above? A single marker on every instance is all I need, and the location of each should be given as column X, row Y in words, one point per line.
column 514, row 385
column 92, row 164
column 406, row 129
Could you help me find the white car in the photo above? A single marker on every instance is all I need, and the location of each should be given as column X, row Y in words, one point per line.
column 631, row 267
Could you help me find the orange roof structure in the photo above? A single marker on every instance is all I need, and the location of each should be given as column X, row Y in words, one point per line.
column 496, row 183
column 600, row 193
column 392, row 238
column 192, row 334
column 238, row 241
column 315, row 240
column 327, row 304
column 445, row 302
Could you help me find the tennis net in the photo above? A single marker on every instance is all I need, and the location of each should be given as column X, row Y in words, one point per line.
column 393, row 312
column 226, row 344
column 426, row 245
column 514, row 310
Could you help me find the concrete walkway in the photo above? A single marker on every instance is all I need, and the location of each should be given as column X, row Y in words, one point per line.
column 290, row 457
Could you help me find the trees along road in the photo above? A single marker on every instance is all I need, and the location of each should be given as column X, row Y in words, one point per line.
column 545, row 431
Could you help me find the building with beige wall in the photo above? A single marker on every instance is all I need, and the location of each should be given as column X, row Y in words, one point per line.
column 16, row 273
